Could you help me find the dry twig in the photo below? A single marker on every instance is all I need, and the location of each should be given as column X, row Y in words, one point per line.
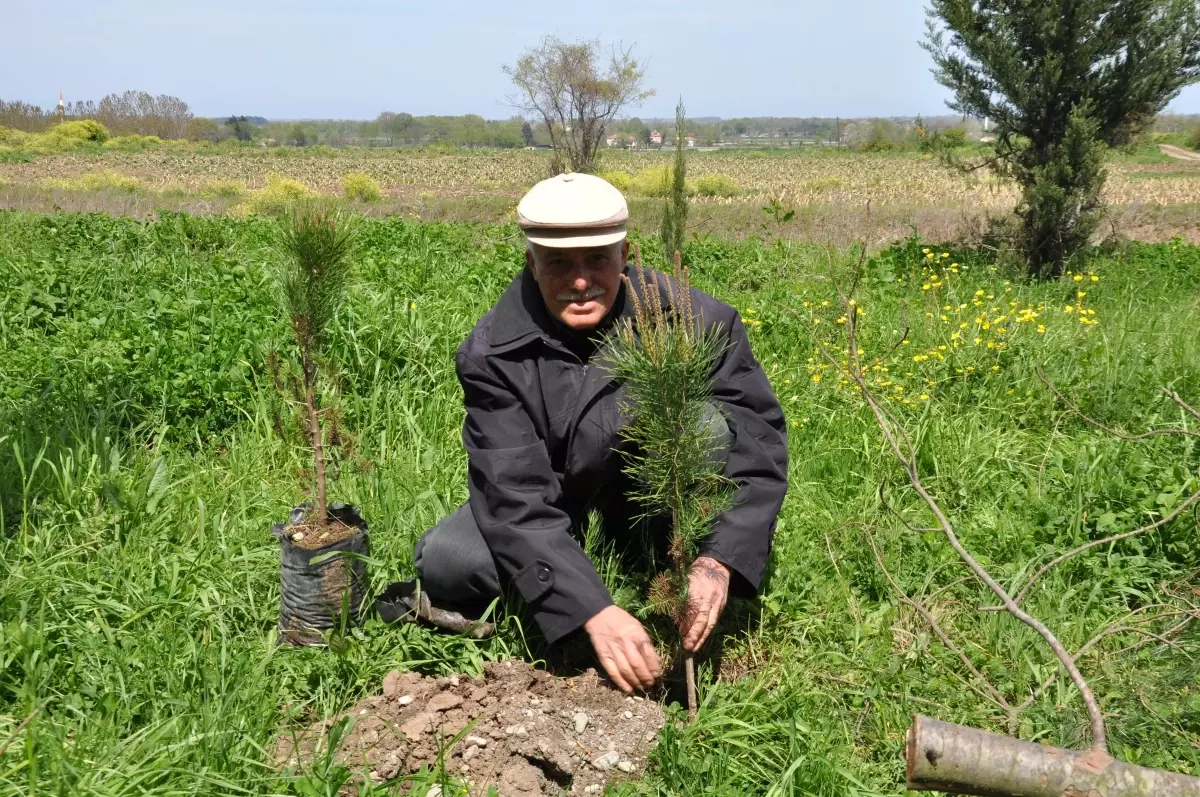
column 1114, row 432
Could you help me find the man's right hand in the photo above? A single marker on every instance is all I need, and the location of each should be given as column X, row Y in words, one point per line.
column 624, row 649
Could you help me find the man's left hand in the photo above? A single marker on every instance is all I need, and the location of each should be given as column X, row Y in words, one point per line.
column 708, row 589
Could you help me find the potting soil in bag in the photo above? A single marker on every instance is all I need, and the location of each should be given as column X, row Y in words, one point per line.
column 313, row 594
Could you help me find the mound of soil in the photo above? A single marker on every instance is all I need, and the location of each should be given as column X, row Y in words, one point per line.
column 533, row 733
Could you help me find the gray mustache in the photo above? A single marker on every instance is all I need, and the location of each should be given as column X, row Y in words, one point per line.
column 591, row 293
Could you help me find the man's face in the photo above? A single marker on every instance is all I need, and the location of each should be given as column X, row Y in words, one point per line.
column 580, row 285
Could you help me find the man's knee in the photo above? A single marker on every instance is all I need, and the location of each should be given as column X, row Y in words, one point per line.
column 454, row 561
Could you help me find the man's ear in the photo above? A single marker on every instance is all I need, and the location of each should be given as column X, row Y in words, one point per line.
column 529, row 261
column 625, row 251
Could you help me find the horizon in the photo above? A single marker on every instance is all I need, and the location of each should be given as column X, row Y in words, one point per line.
column 305, row 61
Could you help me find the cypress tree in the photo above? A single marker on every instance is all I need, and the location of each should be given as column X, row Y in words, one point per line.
column 1061, row 79
column 675, row 207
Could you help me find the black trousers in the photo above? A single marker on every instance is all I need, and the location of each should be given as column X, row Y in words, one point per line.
column 456, row 565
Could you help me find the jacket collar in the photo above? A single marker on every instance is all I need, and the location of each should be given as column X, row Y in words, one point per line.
column 520, row 315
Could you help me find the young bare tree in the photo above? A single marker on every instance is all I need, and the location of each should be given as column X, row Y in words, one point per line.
column 576, row 93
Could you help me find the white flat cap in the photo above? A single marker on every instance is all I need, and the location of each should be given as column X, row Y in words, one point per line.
column 573, row 210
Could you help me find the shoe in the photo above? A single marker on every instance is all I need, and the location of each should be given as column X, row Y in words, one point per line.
column 406, row 602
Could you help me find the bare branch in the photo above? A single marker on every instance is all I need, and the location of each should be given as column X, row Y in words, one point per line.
column 1164, row 520
column 901, row 446
column 1171, row 394
column 992, row 693
column 1111, row 630
column 1115, row 433
column 21, row 726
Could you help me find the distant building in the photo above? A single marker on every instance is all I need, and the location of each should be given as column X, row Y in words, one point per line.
column 690, row 140
column 656, row 137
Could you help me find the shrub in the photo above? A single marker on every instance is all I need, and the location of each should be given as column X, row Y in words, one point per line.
column 222, row 189
column 721, row 185
column 279, row 194
column 12, row 137
column 1193, row 139
column 362, row 187
column 133, row 142
column 655, row 181
column 111, row 182
column 619, row 178
column 83, row 130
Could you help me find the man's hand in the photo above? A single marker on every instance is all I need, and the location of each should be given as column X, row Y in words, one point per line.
column 708, row 589
column 624, row 649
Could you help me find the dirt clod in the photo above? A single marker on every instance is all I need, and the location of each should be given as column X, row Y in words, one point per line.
column 523, row 731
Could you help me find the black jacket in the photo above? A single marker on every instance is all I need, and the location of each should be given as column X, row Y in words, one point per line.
column 541, row 434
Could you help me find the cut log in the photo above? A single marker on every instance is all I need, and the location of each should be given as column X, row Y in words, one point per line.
column 961, row 760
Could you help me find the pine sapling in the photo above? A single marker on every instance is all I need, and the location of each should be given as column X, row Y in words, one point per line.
column 665, row 358
column 317, row 242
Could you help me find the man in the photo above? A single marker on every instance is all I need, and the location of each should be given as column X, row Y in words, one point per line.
column 542, row 434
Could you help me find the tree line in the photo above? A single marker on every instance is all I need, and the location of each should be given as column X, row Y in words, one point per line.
column 127, row 113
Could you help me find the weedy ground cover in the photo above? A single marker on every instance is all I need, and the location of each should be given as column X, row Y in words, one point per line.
column 140, row 469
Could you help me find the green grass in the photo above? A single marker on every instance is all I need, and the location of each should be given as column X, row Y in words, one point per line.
column 140, row 473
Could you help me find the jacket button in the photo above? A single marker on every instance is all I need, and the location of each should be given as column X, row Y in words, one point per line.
column 543, row 574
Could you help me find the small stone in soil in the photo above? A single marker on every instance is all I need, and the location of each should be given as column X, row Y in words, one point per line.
column 478, row 741
column 626, row 766
column 417, row 726
column 595, row 788
column 607, row 761
column 628, row 715
column 581, row 722
column 443, row 702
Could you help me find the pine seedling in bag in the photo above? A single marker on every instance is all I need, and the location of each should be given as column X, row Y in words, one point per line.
column 323, row 568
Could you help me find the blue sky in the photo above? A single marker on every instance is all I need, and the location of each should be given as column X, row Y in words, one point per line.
column 354, row 58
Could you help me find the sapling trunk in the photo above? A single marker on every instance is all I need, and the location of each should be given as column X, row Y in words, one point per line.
column 665, row 359
column 314, row 432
